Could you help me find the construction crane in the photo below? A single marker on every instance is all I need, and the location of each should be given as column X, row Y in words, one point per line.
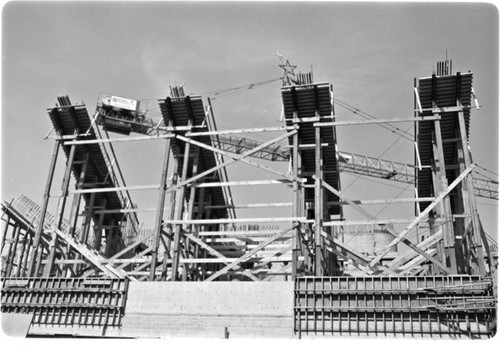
column 124, row 116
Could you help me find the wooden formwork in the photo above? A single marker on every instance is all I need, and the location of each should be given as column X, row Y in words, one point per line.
column 425, row 307
column 67, row 306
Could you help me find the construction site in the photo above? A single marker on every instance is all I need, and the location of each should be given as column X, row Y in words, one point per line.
column 92, row 261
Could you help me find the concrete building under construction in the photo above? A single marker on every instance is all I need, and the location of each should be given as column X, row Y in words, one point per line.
column 91, row 269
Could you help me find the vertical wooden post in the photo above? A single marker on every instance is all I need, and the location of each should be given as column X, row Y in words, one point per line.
column 469, row 196
column 98, row 230
column 12, row 256
column 24, row 263
column 191, row 207
column 159, row 212
column 318, row 193
column 24, row 243
column 442, row 182
column 318, row 207
column 172, row 203
column 464, row 263
column 199, row 215
column 46, row 196
column 75, row 205
column 9, row 245
column 4, row 235
column 89, row 216
column 296, row 202
column 438, row 210
column 60, row 209
column 226, row 190
column 179, row 211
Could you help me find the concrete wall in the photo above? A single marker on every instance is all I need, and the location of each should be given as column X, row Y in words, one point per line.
column 209, row 309
column 16, row 324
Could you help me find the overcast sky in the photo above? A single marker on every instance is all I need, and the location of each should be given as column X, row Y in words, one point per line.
column 369, row 52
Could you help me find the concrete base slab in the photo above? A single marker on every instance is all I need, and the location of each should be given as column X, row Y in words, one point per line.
column 16, row 324
column 209, row 309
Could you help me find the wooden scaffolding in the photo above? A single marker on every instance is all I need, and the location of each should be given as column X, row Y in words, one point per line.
column 195, row 235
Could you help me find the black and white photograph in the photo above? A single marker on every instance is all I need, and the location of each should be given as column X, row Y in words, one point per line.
column 249, row 170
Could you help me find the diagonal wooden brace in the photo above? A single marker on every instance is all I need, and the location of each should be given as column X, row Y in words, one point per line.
column 212, row 251
column 350, row 202
column 248, row 255
column 234, row 157
column 422, row 215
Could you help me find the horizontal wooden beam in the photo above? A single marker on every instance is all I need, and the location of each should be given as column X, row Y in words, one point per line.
column 381, row 201
column 242, row 183
column 369, row 122
column 117, row 140
column 455, row 109
column 240, row 131
column 309, row 146
column 113, row 189
column 125, row 210
column 262, row 205
column 366, row 222
column 237, row 233
column 236, row 220
column 211, row 260
column 179, row 128
column 309, row 119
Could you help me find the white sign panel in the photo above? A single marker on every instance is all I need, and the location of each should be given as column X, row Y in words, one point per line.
column 124, row 103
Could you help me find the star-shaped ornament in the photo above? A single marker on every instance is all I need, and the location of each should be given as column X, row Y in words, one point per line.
column 288, row 69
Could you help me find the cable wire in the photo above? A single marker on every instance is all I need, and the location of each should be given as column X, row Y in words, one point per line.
column 391, row 128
